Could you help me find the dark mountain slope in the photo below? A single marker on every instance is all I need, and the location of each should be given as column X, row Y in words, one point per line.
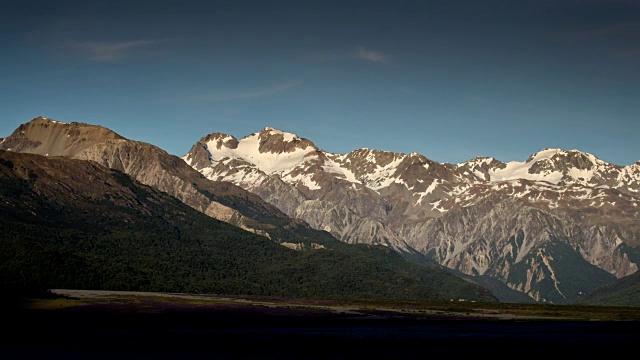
column 622, row 292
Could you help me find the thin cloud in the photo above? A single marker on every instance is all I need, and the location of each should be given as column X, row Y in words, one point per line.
column 257, row 93
column 359, row 53
column 109, row 51
column 370, row 55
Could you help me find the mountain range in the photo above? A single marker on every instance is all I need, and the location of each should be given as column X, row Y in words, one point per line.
column 552, row 228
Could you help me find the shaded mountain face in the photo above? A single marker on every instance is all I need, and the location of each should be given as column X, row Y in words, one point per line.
column 622, row 292
column 70, row 223
column 537, row 226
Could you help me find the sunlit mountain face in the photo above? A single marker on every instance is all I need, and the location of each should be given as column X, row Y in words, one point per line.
column 529, row 223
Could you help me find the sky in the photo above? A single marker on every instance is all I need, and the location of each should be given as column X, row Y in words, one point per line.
column 450, row 79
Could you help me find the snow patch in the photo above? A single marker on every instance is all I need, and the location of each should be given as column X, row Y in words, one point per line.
column 333, row 167
column 304, row 179
column 520, row 170
column 270, row 163
column 546, row 154
column 381, row 177
column 428, row 191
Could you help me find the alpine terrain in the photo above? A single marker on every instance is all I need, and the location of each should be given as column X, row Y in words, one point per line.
column 553, row 227
column 84, row 207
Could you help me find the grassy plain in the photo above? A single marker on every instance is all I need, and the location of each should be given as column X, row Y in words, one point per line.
column 167, row 302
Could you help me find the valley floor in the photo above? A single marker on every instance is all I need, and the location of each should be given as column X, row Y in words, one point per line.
column 108, row 324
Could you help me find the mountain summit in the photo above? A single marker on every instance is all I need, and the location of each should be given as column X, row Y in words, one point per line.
column 558, row 166
column 44, row 136
column 270, row 150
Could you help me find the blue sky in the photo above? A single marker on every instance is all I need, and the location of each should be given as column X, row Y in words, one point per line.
column 448, row 79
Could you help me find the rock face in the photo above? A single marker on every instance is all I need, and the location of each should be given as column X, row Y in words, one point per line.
column 553, row 227
column 48, row 137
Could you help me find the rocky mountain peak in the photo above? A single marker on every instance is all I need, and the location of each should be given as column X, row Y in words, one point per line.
column 419, row 158
column 218, row 140
column 45, row 119
column 275, row 141
column 481, row 167
column 365, row 157
column 268, row 151
column 634, row 169
column 484, row 162
column 45, row 136
column 630, row 175
column 544, row 154
column 562, row 159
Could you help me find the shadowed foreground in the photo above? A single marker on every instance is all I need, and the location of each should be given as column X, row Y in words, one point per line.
column 138, row 325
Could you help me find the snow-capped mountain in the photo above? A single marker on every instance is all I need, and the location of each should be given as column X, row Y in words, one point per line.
column 301, row 180
column 538, row 226
column 558, row 166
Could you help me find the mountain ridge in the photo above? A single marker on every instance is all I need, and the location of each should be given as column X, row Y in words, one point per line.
column 391, row 199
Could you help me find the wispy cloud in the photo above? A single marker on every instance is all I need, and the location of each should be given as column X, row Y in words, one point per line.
column 370, row 55
column 108, row 51
column 254, row 93
column 359, row 53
